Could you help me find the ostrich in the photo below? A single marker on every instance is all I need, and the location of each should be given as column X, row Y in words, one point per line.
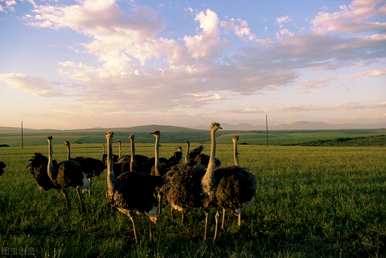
column 52, row 175
column 2, row 166
column 235, row 139
column 134, row 193
column 233, row 187
column 90, row 166
column 189, row 185
column 138, row 162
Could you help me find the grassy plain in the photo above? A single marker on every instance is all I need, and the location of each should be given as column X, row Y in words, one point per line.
column 310, row 202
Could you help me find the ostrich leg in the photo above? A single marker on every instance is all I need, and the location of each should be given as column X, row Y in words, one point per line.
column 206, row 225
column 65, row 195
column 133, row 223
column 216, row 225
column 223, row 219
column 78, row 192
column 239, row 218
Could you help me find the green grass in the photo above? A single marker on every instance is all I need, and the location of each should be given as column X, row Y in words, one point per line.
column 38, row 137
column 310, row 202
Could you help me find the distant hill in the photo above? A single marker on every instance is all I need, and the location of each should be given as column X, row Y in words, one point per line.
column 376, row 140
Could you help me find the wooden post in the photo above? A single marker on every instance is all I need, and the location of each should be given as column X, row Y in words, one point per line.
column 22, row 135
column 266, row 129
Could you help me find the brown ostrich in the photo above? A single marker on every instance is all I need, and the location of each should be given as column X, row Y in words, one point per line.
column 52, row 175
column 190, row 186
column 234, row 187
column 2, row 167
column 133, row 192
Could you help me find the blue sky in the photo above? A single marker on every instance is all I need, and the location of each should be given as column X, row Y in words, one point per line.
column 77, row 64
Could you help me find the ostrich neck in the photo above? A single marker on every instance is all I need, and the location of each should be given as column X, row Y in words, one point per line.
column 187, row 153
column 235, row 154
column 68, row 151
column 207, row 180
column 110, row 172
column 156, row 156
column 50, row 162
column 132, row 154
column 119, row 149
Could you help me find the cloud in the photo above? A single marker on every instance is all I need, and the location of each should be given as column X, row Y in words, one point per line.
column 355, row 17
column 138, row 68
column 206, row 43
column 239, row 27
column 33, row 85
column 6, row 5
column 281, row 20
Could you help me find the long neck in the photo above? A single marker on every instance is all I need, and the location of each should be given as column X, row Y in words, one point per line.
column 187, row 153
column 207, row 180
column 110, row 171
column 50, row 162
column 235, row 153
column 156, row 156
column 68, row 151
column 132, row 154
column 119, row 149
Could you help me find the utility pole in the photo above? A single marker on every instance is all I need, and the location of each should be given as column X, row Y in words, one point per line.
column 266, row 129
column 22, row 135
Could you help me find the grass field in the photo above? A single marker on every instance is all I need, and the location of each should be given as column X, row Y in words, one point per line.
column 310, row 202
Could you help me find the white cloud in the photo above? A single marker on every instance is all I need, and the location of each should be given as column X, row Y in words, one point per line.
column 206, row 43
column 33, row 85
column 355, row 17
column 281, row 20
column 6, row 5
column 138, row 69
column 240, row 28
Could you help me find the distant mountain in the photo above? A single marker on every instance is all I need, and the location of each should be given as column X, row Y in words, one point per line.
column 304, row 125
column 135, row 129
column 310, row 125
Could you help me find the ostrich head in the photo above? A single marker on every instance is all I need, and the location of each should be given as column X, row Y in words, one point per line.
column 215, row 126
column 131, row 137
column 49, row 138
column 67, row 143
column 235, row 138
column 156, row 133
column 109, row 134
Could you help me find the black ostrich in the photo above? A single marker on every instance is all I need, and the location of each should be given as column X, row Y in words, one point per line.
column 138, row 163
column 2, row 166
column 233, row 187
column 52, row 175
column 197, row 158
column 190, row 186
column 133, row 192
column 90, row 166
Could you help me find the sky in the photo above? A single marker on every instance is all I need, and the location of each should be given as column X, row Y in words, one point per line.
column 105, row 63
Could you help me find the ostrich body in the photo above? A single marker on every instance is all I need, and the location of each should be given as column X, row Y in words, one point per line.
column 2, row 166
column 196, row 157
column 190, row 185
column 133, row 193
column 90, row 167
column 235, row 186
